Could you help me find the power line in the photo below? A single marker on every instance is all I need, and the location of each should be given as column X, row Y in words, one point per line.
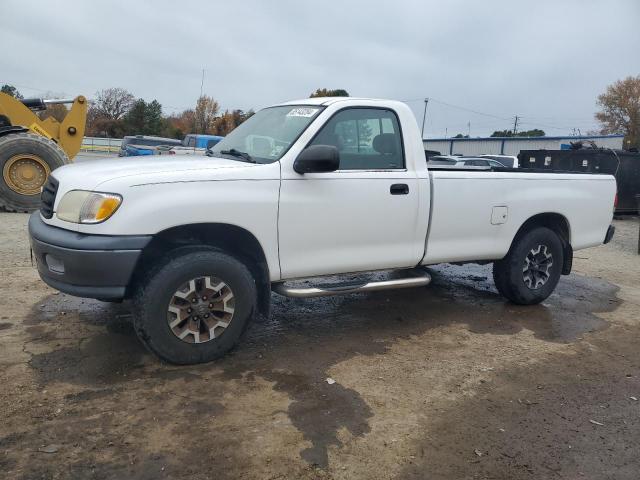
column 520, row 118
column 459, row 107
column 556, row 127
column 24, row 86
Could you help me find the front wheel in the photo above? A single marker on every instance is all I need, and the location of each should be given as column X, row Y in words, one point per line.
column 195, row 306
column 531, row 270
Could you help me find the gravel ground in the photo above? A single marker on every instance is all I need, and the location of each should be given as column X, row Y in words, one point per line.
column 443, row 382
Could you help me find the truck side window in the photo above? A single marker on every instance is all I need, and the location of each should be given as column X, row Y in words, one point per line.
column 367, row 139
column 191, row 142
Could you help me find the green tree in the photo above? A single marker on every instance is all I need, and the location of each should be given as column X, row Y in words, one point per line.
column 323, row 92
column 153, row 121
column 134, row 119
column 11, row 90
column 536, row 132
column 463, row 136
column 620, row 110
column 144, row 118
column 502, row 133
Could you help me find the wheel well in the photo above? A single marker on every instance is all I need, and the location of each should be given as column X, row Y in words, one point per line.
column 560, row 225
column 8, row 129
column 231, row 239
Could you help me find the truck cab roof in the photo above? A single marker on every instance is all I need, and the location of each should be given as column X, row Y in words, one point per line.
column 325, row 101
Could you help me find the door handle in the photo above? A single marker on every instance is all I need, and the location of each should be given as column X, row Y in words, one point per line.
column 399, row 189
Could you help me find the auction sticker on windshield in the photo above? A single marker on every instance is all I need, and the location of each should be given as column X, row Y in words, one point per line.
column 302, row 112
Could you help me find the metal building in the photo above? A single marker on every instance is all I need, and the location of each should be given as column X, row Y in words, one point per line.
column 513, row 145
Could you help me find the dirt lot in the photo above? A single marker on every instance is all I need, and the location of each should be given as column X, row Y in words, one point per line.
column 437, row 383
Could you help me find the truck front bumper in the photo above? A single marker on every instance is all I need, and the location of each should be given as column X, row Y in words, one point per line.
column 91, row 266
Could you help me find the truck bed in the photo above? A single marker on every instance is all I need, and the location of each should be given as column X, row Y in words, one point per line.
column 477, row 211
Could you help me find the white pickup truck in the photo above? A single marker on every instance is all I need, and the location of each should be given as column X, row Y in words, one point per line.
column 304, row 189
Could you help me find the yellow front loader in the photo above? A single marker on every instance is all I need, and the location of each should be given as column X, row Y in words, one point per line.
column 31, row 148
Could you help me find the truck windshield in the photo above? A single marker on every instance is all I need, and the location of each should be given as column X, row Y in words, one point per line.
column 267, row 135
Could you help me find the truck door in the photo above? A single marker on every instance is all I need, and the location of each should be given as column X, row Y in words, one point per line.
column 361, row 217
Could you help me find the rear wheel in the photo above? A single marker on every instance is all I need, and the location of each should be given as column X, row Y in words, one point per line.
column 195, row 307
column 531, row 270
column 26, row 160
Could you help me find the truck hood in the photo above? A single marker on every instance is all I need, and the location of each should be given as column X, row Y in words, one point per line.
column 127, row 171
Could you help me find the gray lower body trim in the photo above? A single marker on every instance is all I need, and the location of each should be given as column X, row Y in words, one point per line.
column 83, row 272
column 100, row 293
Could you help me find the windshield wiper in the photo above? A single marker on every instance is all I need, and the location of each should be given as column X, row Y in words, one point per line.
column 237, row 153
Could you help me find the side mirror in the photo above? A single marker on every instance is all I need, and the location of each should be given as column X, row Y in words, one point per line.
column 317, row 158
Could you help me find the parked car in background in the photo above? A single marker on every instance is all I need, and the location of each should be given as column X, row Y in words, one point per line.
column 431, row 153
column 507, row 160
column 200, row 141
column 441, row 159
column 192, row 144
column 480, row 162
column 136, row 145
column 455, row 161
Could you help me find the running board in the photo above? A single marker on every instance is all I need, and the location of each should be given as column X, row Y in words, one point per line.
column 419, row 280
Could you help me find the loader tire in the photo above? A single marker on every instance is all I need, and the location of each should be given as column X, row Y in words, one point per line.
column 26, row 160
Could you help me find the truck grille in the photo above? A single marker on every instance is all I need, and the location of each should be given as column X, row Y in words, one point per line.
column 48, row 196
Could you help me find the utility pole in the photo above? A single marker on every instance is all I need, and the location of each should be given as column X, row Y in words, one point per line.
column 515, row 125
column 469, row 129
column 424, row 115
column 196, row 110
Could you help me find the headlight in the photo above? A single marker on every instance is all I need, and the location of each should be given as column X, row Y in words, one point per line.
column 80, row 206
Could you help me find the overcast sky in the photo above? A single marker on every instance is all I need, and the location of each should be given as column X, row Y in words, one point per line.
column 545, row 60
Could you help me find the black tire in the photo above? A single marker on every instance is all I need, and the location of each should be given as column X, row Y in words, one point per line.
column 157, row 289
column 31, row 144
column 524, row 288
column 501, row 281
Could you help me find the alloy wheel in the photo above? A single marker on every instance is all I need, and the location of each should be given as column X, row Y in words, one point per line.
column 201, row 310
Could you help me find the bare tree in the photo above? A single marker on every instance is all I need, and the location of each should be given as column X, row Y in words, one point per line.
column 620, row 110
column 112, row 103
column 206, row 111
column 57, row 111
column 107, row 111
